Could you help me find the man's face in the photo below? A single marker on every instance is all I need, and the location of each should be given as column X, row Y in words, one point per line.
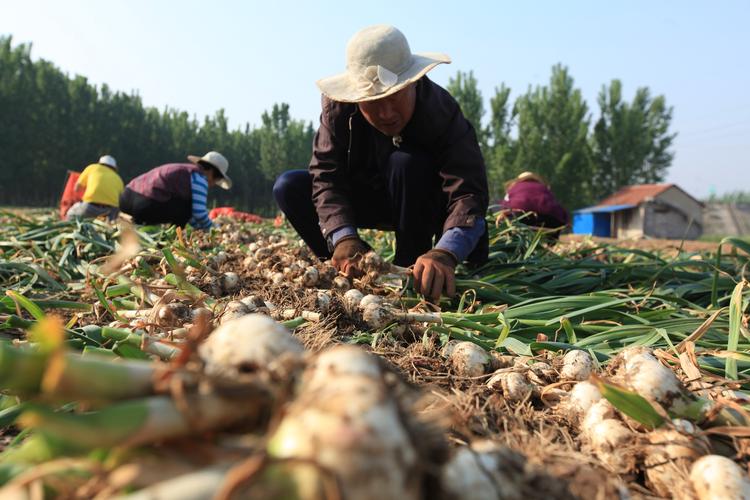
column 390, row 114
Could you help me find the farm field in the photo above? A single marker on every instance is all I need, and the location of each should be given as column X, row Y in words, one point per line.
column 166, row 363
column 661, row 245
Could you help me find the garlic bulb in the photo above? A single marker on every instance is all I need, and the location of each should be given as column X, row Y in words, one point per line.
column 352, row 299
column 346, row 421
column 469, row 360
column 718, row 478
column 577, row 365
column 251, row 342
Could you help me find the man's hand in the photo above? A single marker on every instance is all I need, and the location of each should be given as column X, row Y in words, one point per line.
column 434, row 273
column 347, row 256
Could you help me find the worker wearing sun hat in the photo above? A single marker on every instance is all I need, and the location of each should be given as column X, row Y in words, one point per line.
column 528, row 195
column 101, row 186
column 176, row 193
column 393, row 151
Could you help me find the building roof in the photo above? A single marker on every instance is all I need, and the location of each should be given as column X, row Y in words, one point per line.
column 598, row 209
column 639, row 193
column 635, row 195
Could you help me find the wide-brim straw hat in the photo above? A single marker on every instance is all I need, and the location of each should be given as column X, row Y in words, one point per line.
column 525, row 177
column 218, row 161
column 379, row 63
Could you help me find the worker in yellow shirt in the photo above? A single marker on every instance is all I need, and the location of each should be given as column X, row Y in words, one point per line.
column 101, row 186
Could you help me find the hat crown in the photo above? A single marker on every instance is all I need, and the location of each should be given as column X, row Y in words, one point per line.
column 379, row 63
column 108, row 160
column 217, row 160
column 379, row 45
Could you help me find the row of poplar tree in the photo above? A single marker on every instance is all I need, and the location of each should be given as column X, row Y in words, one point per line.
column 53, row 122
column 550, row 130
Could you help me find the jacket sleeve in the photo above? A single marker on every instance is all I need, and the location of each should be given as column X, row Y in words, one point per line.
column 462, row 170
column 328, row 167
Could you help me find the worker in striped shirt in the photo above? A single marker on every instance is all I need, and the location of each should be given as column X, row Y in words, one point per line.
column 176, row 193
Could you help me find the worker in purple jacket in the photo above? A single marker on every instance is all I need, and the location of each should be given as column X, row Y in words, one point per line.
column 529, row 194
column 393, row 151
column 176, row 193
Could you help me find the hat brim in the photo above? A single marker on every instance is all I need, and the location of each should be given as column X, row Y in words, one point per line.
column 342, row 88
column 225, row 182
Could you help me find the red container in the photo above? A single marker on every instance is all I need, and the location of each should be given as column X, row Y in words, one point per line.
column 70, row 196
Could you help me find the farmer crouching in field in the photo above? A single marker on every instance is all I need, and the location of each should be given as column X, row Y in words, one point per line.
column 101, row 186
column 530, row 195
column 176, row 193
column 394, row 152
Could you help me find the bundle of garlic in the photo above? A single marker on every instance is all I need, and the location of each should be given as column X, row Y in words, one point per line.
column 611, row 441
column 346, row 426
column 527, row 377
column 667, row 455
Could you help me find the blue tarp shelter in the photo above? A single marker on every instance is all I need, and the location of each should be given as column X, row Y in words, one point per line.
column 597, row 220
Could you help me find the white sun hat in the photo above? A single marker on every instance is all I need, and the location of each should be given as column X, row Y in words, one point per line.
column 215, row 160
column 379, row 63
column 108, row 161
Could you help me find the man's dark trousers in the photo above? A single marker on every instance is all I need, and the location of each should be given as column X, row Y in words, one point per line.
column 403, row 194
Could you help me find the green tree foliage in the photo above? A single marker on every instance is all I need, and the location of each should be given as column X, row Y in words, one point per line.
column 630, row 141
column 553, row 125
column 465, row 90
column 548, row 130
column 500, row 152
column 53, row 123
column 283, row 142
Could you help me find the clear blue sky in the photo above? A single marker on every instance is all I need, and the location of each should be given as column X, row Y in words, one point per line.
column 244, row 55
